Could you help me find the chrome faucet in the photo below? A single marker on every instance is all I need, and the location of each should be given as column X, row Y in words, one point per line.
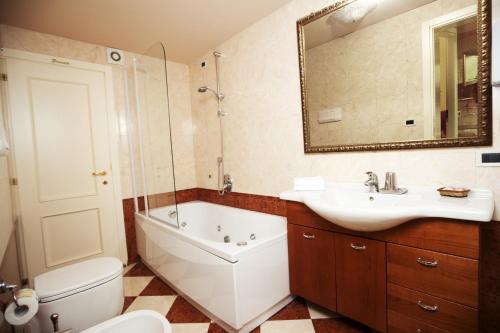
column 390, row 185
column 372, row 180
column 228, row 184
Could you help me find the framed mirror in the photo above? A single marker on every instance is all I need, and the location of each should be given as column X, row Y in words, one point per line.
column 392, row 74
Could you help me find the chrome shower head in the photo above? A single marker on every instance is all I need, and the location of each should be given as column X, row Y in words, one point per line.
column 218, row 54
column 204, row 89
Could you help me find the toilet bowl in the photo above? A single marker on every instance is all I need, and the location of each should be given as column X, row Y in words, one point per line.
column 83, row 294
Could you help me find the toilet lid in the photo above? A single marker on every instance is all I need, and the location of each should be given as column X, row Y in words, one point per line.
column 76, row 278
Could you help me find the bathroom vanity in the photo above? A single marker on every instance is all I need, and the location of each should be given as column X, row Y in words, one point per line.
column 397, row 263
column 422, row 275
column 419, row 273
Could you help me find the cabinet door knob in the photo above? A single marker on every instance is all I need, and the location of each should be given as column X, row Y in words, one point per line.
column 358, row 247
column 427, row 263
column 426, row 307
column 308, row 236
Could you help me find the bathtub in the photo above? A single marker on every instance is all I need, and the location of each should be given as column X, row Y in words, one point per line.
column 232, row 263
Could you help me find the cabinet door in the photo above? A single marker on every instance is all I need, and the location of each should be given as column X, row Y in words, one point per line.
column 361, row 280
column 311, row 255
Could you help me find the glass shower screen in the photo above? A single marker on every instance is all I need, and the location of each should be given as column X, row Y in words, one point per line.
column 149, row 135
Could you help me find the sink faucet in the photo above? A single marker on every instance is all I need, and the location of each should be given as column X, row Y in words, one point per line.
column 372, row 180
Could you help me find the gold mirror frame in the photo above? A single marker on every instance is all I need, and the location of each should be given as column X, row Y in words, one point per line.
column 484, row 137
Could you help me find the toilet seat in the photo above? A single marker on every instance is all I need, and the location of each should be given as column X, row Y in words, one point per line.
column 75, row 278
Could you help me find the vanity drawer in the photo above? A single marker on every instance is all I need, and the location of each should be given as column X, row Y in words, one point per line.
column 398, row 323
column 450, row 277
column 431, row 310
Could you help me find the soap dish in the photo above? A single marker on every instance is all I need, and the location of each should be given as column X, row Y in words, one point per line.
column 457, row 192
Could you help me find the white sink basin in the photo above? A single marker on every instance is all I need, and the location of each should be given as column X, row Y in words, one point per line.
column 133, row 322
column 352, row 206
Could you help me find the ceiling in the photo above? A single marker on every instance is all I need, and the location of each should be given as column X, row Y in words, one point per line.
column 188, row 27
column 327, row 28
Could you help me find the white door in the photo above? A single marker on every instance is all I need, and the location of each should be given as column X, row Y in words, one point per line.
column 67, row 189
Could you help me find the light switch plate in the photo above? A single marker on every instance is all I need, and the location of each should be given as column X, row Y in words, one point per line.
column 481, row 163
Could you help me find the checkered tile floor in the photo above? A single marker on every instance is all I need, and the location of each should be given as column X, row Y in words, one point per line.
column 143, row 290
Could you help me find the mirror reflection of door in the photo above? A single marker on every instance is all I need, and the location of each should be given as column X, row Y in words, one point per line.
column 456, row 63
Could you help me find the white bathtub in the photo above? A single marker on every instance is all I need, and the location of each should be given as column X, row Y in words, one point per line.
column 239, row 285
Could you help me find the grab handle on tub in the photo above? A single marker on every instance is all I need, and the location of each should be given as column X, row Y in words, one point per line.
column 308, row 236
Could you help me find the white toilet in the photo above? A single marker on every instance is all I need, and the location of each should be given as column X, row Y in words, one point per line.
column 83, row 294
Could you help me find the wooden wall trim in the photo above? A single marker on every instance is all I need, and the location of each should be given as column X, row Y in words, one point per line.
column 253, row 202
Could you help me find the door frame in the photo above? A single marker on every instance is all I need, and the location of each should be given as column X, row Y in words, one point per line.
column 113, row 132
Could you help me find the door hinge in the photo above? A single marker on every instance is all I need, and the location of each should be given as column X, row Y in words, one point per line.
column 4, row 77
column 13, row 181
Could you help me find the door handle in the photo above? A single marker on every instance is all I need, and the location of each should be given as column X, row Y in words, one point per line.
column 311, row 236
column 99, row 174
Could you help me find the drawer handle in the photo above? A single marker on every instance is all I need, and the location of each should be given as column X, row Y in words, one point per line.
column 427, row 263
column 358, row 247
column 308, row 236
column 426, row 307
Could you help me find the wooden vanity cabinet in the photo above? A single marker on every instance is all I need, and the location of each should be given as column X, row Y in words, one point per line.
column 361, row 280
column 311, row 254
column 421, row 276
